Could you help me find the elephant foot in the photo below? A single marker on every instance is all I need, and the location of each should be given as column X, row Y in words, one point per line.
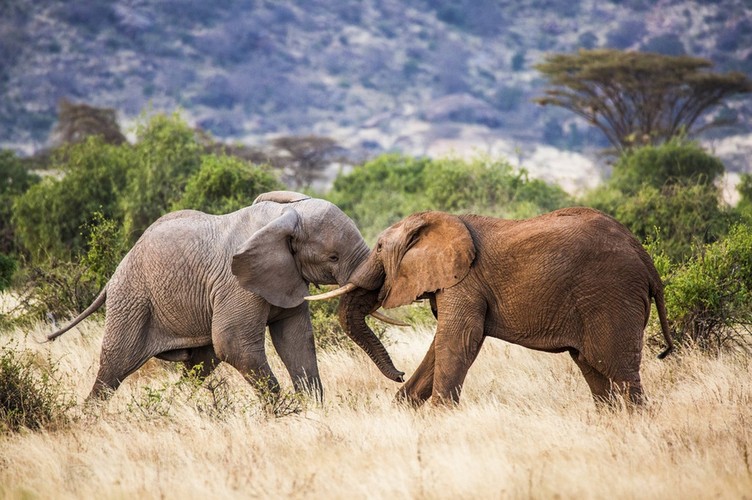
column 100, row 392
column 621, row 394
column 404, row 397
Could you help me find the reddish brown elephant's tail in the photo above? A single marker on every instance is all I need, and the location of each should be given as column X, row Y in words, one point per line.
column 93, row 307
column 660, row 305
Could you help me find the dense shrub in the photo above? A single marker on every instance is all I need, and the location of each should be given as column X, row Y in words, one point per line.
column 744, row 187
column 677, row 161
column 390, row 187
column 15, row 179
column 7, row 268
column 30, row 394
column 105, row 249
column 167, row 154
column 224, row 184
column 710, row 297
column 49, row 217
column 56, row 289
column 667, row 192
column 683, row 217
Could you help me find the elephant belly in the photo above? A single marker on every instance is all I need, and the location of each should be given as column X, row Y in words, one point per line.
column 183, row 318
column 536, row 329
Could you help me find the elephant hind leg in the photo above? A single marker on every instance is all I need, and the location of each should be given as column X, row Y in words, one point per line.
column 604, row 389
column 124, row 350
column 113, row 370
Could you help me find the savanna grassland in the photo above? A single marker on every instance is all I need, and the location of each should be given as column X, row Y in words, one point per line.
column 525, row 428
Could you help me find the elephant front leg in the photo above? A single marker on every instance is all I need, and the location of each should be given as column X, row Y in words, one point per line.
column 293, row 340
column 459, row 337
column 419, row 386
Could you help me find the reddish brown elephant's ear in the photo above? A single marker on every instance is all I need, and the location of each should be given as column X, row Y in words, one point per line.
column 439, row 254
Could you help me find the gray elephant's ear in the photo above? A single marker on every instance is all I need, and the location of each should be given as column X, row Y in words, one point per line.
column 264, row 264
column 439, row 253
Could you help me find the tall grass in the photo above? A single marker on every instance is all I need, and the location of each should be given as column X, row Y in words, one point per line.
column 526, row 428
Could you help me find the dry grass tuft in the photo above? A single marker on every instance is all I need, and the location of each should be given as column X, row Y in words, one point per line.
column 526, row 428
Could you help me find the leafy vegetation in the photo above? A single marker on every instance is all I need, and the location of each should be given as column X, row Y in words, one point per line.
column 678, row 161
column 224, row 184
column 167, row 154
column 667, row 192
column 710, row 296
column 390, row 187
column 73, row 228
column 30, row 393
column 49, row 216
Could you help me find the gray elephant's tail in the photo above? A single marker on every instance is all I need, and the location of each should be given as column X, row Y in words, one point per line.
column 93, row 307
column 660, row 304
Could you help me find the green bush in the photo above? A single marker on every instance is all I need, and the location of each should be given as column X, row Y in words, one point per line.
column 49, row 217
column 167, row 153
column 56, row 289
column 668, row 192
column 683, row 216
column 710, row 297
column 7, row 268
column 676, row 161
column 30, row 394
column 224, row 184
column 390, row 187
column 105, row 249
column 744, row 187
column 381, row 192
column 15, row 179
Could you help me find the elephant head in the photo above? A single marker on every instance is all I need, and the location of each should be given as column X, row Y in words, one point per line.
column 423, row 253
column 306, row 241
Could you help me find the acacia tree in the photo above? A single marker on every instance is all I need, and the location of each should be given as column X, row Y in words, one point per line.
column 304, row 159
column 637, row 98
column 76, row 122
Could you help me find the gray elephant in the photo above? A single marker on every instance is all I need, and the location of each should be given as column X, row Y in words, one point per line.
column 574, row 280
column 199, row 289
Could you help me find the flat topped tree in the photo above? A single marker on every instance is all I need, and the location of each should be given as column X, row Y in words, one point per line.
column 637, row 98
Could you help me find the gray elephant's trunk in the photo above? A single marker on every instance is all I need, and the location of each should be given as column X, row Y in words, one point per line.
column 353, row 309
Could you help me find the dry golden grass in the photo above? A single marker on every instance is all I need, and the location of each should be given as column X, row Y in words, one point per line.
column 526, row 428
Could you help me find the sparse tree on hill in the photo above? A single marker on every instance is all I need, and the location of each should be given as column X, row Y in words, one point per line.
column 304, row 159
column 637, row 98
column 76, row 122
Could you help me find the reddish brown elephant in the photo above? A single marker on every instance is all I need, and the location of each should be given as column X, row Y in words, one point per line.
column 574, row 280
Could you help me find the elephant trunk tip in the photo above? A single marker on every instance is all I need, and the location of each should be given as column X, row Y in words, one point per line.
column 666, row 352
column 394, row 374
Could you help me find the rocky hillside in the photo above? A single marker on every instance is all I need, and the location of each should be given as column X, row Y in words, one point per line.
column 422, row 76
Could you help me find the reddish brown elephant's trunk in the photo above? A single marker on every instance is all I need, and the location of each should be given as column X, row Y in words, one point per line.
column 353, row 309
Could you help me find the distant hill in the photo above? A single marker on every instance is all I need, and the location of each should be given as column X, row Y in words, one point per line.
column 421, row 76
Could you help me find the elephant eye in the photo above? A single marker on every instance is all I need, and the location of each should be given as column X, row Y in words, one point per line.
column 378, row 247
column 333, row 258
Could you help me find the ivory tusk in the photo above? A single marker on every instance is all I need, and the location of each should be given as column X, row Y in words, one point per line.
column 387, row 319
column 334, row 293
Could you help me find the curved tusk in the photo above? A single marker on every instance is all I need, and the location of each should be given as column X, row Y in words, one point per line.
column 388, row 319
column 334, row 293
